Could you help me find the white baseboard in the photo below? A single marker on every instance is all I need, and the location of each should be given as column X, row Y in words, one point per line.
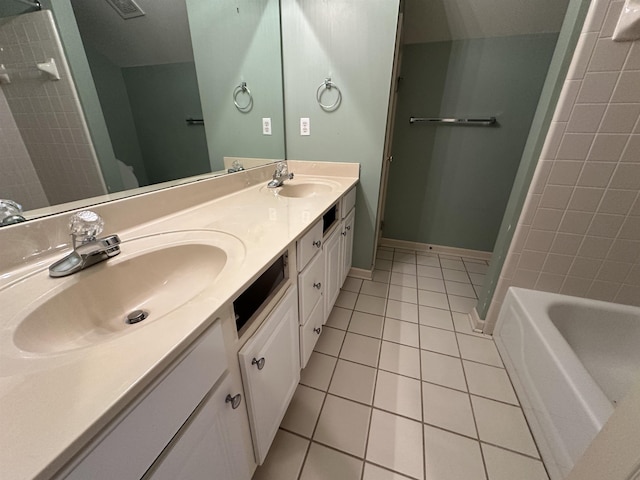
column 361, row 273
column 428, row 247
column 477, row 324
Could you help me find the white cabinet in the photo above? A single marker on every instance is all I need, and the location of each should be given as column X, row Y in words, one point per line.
column 141, row 433
column 347, row 245
column 310, row 332
column 309, row 245
column 333, row 279
column 270, row 365
column 311, row 284
column 210, row 445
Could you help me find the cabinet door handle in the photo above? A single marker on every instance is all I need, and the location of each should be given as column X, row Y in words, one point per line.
column 344, row 234
column 348, row 227
column 317, row 243
column 318, row 285
column 318, row 330
column 234, row 401
column 258, row 362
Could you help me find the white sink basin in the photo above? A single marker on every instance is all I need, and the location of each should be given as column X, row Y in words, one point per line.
column 157, row 274
column 303, row 188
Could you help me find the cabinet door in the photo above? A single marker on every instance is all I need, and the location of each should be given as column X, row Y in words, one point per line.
column 347, row 244
column 332, row 271
column 210, row 445
column 311, row 284
column 310, row 332
column 309, row 245
column 270, row 364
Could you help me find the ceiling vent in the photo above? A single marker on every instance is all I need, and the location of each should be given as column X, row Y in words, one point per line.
column 126, row 8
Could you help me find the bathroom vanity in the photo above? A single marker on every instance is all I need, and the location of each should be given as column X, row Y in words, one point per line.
column 237, row 284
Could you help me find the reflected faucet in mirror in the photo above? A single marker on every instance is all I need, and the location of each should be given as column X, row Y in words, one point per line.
column 10, row 212
column 85, row 226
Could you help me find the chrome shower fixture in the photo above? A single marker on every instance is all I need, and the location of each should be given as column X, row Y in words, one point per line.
column 32, row 3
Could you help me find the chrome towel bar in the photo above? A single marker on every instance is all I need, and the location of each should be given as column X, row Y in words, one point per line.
column 482, row 121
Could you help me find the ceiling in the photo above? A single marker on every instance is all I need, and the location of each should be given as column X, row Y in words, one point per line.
column 442, row 20
column 161, row 36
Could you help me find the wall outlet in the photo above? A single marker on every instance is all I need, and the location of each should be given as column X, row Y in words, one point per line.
column 305, row 126
column 266, row 126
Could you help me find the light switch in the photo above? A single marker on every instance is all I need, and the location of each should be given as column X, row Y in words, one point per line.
column 305, row 126
column 266, row 126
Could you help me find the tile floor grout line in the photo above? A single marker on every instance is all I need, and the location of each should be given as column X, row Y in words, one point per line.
column 375, row 379
column 473, row 414
column 324, row 400
column 510, row 450
column 416, row 348
column 422, row 432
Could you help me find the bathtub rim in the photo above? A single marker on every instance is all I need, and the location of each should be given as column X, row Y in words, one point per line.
column 597, row 410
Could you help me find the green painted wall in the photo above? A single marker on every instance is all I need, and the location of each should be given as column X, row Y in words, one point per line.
column 235, row 41
column 162, row 97
column 449, row 185
column 352, row 41
column 567, row 40
column 10, row 8
column 114, row 101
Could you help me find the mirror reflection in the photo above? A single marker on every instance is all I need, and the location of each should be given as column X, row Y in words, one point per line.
column 101, row 99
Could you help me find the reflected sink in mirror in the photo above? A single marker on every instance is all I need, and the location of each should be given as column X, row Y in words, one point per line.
column 303, row 188
column 157, row 274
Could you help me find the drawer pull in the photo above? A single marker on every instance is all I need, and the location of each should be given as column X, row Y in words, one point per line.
column 234, row 401
column 348, row 227
column 318, row 285
column 258, row 362
column 317, row 243
column 344, row 234
column 318, row 330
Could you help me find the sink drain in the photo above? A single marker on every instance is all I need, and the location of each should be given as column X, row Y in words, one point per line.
column 136, row 316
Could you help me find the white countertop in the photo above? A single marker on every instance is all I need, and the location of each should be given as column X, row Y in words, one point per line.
column 52, row 404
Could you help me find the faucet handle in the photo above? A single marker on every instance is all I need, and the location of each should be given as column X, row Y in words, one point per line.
column 85, row 226
column 281, row 168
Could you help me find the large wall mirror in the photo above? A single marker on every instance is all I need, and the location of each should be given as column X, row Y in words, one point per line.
column 101, row 99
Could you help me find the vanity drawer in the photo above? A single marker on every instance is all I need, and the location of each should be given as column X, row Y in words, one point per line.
column 311, row 286
column 348, row 202
column 310, row 332
column 142, row 433
column 309, row 244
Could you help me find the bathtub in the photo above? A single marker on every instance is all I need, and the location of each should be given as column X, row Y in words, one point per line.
column 570, row 360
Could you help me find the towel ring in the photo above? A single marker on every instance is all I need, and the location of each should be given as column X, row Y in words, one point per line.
column 242, row 88
column 328, row 85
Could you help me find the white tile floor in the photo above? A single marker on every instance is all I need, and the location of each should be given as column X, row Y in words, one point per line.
column 399, row 386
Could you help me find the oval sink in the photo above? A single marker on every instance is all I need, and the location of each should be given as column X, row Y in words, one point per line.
column 302, row 190
column 156, row 274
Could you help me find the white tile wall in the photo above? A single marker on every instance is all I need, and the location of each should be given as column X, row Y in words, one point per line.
column 18, row 179
column 579, row 232
column 48, row 112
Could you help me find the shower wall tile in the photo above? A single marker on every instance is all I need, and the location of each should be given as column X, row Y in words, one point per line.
column 581, row 219
column 48, row 112
column 18, row 178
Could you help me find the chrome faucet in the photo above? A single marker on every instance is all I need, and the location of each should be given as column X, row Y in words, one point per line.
column 85, row 227
column 280, row 175
column 10, row 212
